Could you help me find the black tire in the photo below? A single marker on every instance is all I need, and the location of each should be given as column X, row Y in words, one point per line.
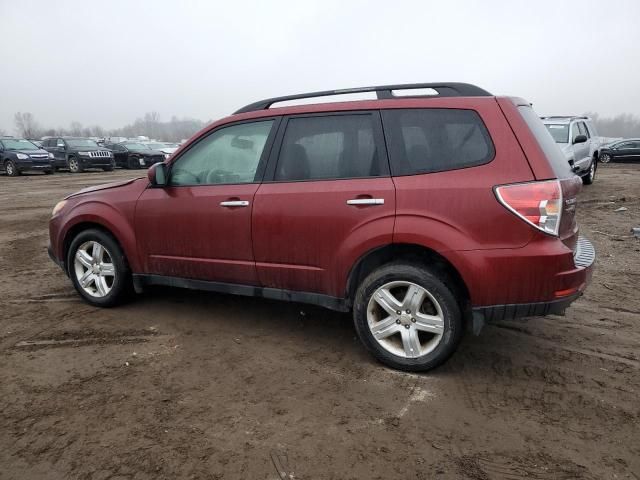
column 74, row 165
column 121, row 287
column 10, row 168
column 132, row 163
column 48, row 172
column 591, row 174
column 108, row 169
column 429, row 279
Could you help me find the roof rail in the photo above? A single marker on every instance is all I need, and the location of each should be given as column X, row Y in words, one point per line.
column 551, row 117
column 382, row 92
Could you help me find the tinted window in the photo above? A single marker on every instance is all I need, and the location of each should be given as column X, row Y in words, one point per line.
column 435, row 139
column 575, row 131
column 228, row 155
column 545, row 140
column 583, row 129
column 60, row 143
column 340, row 146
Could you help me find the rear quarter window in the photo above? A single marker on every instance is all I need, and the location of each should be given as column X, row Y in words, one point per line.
column 435, row 140
column 551, row 150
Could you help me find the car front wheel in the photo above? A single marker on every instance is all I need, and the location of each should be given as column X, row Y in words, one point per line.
column 74, row 165
column 98, row 268
column 591, row 174
column 11, row 169
column 407, row 317
column 605, row 158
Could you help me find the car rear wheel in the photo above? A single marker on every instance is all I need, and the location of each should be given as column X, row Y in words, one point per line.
column 132, row 162
column 10, row 169
column 74, row 165
column 407, row 317
column 605, row 158
column 98, row 268
column 591, row 175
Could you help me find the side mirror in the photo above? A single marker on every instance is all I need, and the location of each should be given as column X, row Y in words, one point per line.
column 580, row 139
column 157, row 174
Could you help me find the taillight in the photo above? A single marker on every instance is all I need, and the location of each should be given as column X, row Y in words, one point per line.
column 537, row 203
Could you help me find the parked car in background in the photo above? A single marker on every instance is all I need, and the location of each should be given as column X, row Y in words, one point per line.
column 419, row 214
column 622, row 150
column 579, row 143
column 19, row 155
column 37, row 143
column 164, row 147
column 134, row 154
column 78, row 154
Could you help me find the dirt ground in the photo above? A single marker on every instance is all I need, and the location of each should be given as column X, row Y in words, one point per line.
column 183, row 384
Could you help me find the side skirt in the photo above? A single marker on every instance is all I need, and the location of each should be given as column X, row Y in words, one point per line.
column 326, row 301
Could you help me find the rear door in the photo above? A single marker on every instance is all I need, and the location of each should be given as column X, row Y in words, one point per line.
column 199, row 226
column 326, row 199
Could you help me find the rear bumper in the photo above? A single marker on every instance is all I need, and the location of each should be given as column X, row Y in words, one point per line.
column 547, row 284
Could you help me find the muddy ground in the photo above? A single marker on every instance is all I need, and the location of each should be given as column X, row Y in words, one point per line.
column 184, row 384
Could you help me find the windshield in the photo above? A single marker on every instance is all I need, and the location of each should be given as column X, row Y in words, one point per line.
column 559, row 132
column 136, row 147
column 158, row 146
column 19, row 144
column 82, row 142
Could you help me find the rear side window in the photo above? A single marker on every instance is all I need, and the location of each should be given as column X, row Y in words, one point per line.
column 435, row 140
column 552, row 151
column 328, row 147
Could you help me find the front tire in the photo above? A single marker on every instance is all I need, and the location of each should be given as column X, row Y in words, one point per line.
column 604, row 158
column 74, row 165
column 10, row 169
column 407, row 317
column 591, row 174
column 98, row 269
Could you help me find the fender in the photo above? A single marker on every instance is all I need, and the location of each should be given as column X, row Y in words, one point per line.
column 115, row 221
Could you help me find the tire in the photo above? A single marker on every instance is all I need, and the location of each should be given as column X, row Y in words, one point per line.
column 74, row 165
column 591, row 174
column 132, row 163
column 100, row 288
column 439, row 303
column 10, row 169
column 108, row 169
column 604, row 158
column 48, row 172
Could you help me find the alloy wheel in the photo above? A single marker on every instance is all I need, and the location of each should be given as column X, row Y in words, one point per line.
column 605, row 158
column 94, row 269
column 405, row 319
column 73, row 165
column 9, row 169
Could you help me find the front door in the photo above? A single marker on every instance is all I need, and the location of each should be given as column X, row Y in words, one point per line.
column 327, row 198
column 199, row 226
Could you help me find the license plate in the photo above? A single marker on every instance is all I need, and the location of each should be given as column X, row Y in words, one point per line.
column 141, row 161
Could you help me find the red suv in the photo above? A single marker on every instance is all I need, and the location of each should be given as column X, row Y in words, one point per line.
column 419, row 213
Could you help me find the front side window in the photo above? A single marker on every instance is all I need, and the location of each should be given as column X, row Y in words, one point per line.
column 227, row 156
column 583, row 129
column 575, row 131
column 60, row 143
column 328, row 147
column 435, row 139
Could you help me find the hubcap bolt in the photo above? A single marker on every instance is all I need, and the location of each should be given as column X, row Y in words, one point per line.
column 406, row 326
column 398, row 322
column 398, row 312
column 408, row 311
column 413, row 320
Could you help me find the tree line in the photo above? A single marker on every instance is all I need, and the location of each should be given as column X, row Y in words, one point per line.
column 150, row 125
column 625, row 125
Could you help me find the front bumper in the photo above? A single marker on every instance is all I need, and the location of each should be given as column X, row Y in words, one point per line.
column 96, row 162
column 54, row 259
column 564, row 287
column 35, row 165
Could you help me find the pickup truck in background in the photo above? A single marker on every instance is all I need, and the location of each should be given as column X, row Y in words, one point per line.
column 579, row 142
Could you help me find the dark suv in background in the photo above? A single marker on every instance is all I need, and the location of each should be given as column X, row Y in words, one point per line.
column 18, row 155
column 134, row 154
column 78, row 154
column 418, row 213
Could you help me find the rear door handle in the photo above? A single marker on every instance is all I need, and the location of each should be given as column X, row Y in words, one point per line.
column 366, row 201
column 235, row 203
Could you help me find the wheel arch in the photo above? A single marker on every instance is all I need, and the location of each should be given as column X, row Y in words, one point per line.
column 409, row 252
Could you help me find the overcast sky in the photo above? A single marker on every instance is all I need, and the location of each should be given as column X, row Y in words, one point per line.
column 108, row 62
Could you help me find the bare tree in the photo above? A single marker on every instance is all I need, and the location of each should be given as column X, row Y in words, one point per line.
column 26, row 125
column 76, row 129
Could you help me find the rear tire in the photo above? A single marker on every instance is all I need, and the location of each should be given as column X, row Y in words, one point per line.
column 10, row 169
column 428, row 327
column 98, row 269
column 48, row 172
column 132, row 163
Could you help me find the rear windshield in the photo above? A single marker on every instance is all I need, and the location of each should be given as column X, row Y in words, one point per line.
column 435, row 139
column 548, row 145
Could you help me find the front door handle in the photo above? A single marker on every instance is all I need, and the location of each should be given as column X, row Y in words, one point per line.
column 366, row 201
column 235, row 203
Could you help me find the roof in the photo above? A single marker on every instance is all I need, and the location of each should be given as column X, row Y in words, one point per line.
column 564, row 118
